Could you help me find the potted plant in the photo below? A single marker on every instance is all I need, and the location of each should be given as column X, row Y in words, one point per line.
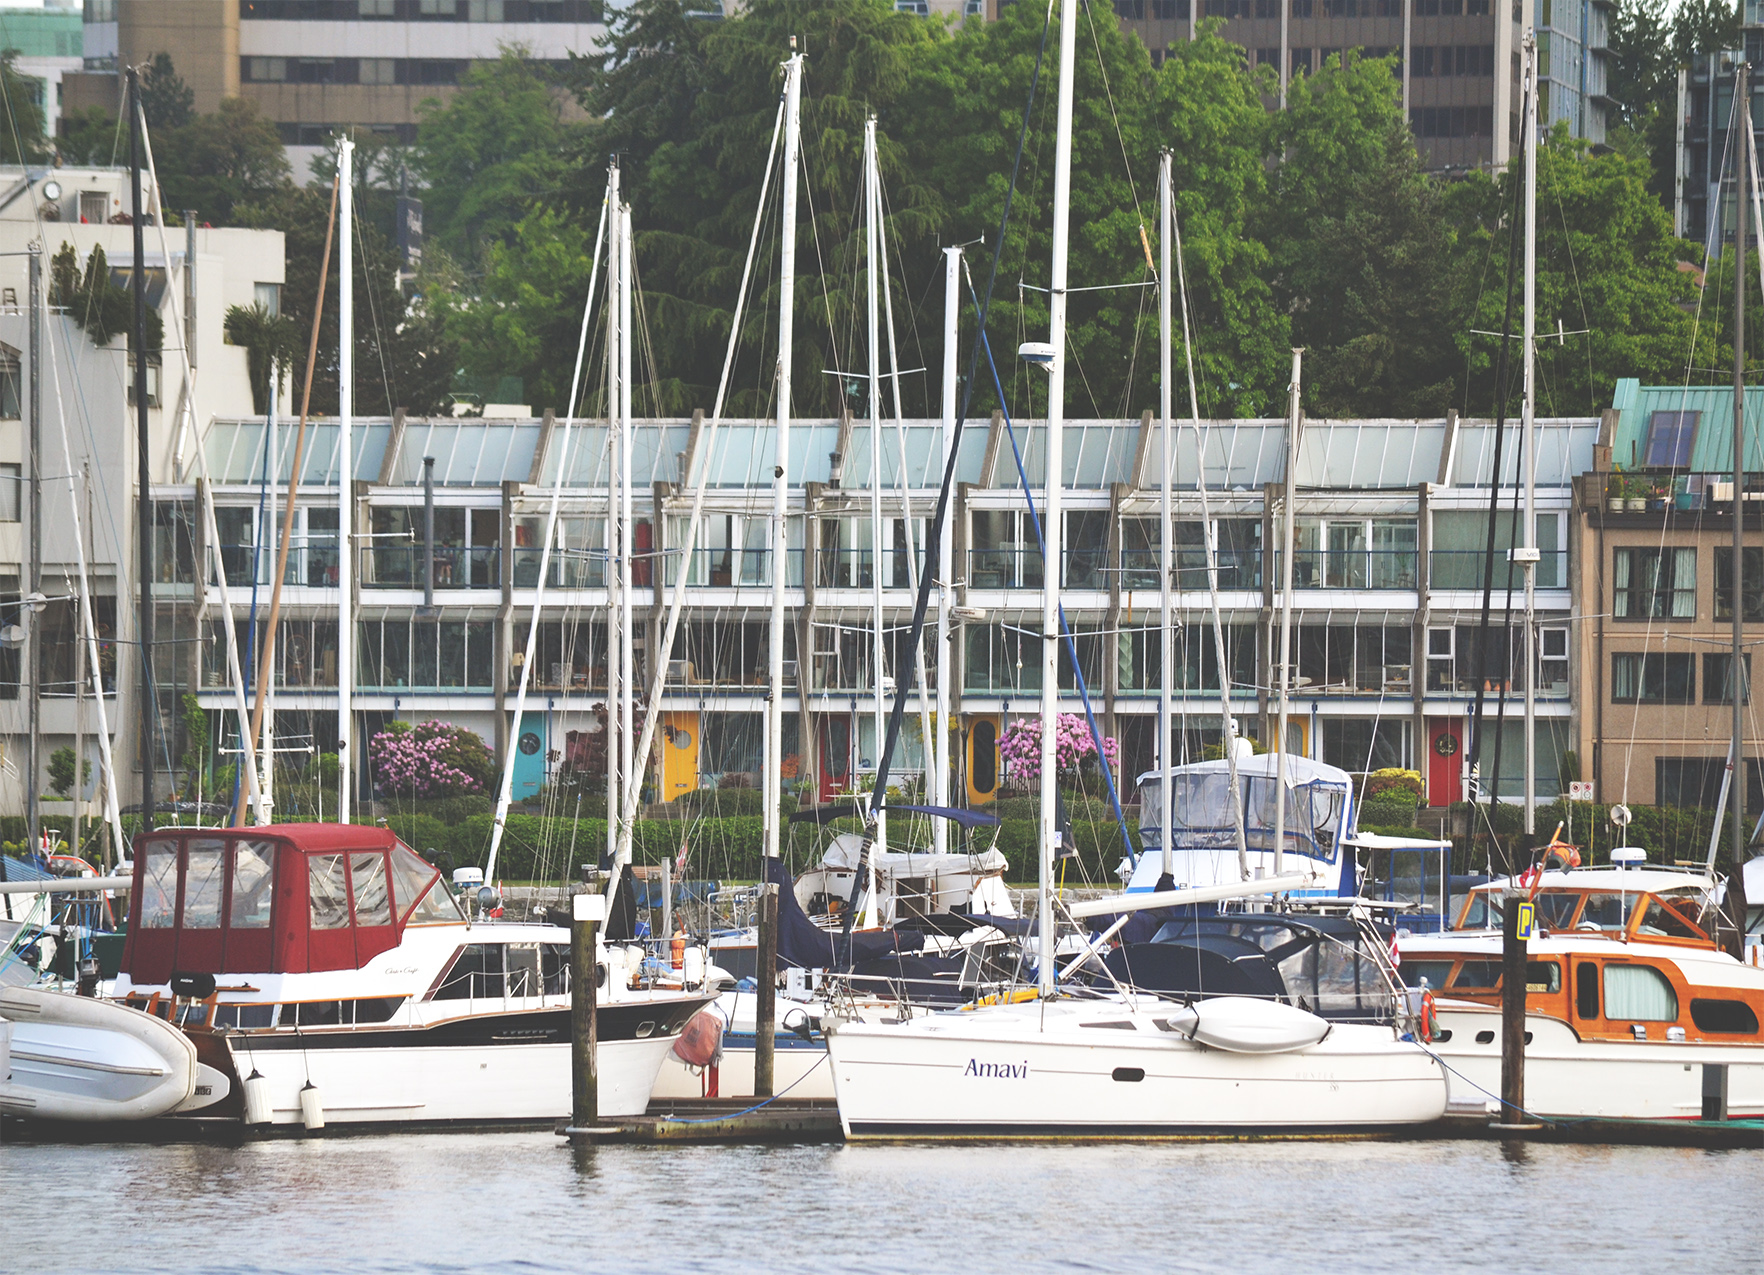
column 1614, row 493
column 1635, row 492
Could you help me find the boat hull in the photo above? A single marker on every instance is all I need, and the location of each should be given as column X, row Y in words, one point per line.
column 1115, row 1074
column 1570, row 1078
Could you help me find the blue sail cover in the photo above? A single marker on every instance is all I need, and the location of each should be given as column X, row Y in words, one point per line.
column 807, row 946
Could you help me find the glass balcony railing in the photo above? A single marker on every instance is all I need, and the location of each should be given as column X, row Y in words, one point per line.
column 1463, row 569
column 456, row 567
column 1007, row 566
column 312, row 562
column 1238, row 569
column 854, row 569
column 1353, row 569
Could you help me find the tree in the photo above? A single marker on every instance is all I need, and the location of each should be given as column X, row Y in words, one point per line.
column 92, row 135
column 100, row 306
column 21, row 140
column 61, row 772
column 217, row 162
column 268, row 340
column 432, row 759
column 1359, row 251
column 166, row 100
column 496, row 149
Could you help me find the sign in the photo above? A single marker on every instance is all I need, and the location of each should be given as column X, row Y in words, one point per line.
column 1527, row 921
column 1580, row 790
column 588, row 907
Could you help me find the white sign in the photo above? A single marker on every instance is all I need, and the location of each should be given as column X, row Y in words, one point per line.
column 589, row 907
column 1579, row 790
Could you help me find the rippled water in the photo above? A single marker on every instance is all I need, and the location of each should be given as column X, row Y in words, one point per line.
column 522, row 1201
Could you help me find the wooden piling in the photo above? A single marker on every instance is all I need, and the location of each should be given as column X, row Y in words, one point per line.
column 589, row 909
column 766, row 976
column 1512, row 1011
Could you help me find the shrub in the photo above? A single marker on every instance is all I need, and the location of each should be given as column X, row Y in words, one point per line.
column 433, row 759
column 1074, row 746
column 1393, row 784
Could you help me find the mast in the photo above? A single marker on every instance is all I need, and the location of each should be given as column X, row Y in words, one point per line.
column 1055, row 475
column 1528, row 556
column 773, row 786
column 346, row 473
column 1166, row 528
column 879, row 640
column 34, row 630
column 615, row 539
column 632, row 781
column 1737, row 680
column 1286, row 541
column 265, row 760
column 143, row 468
column 940, row 794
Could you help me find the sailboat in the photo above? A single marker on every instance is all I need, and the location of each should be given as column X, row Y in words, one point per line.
column 1124, row 1062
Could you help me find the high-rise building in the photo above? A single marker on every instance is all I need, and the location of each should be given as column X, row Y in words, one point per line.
column 1704, row 177
column 1459, row 60
column 317, row 66
column 45, row 36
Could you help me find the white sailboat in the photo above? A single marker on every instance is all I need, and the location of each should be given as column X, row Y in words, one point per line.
column 1120, row 1063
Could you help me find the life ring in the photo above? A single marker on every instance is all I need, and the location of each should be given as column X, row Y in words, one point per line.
column 1429, row 1016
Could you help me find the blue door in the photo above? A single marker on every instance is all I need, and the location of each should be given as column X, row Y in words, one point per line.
column 529, row 766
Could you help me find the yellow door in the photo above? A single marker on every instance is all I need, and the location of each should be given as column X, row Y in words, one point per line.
column 679, row 754
column 983, row 760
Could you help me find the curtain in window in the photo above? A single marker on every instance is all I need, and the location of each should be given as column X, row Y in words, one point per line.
column 1638, row 993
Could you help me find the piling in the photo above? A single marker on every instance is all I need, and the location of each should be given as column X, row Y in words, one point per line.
column 766, row 1006
column 589, row 910
column 1513, row 1007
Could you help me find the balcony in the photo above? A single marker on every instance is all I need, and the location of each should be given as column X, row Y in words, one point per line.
column 456, row 567
column 1463, row 569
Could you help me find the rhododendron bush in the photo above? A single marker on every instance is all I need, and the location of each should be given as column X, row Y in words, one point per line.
column 432, row 759
column 1073, row 747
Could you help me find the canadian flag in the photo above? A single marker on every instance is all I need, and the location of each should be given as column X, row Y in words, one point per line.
column 1396, row 956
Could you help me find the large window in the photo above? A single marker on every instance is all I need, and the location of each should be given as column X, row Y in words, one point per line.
column 1639, row 993
column 1653, row 584
column 1342, row 658
column 1653, row 678
column 426, row 653
column 1718, row 678
column 1751, row 583
column 1670, row 435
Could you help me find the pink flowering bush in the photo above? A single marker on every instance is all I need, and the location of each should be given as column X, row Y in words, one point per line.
column 1073, row 747
column 432, row 759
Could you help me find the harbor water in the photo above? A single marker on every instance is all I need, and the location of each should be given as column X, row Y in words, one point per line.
column 523, row 1201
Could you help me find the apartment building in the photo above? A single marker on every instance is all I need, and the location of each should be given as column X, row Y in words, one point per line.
column 1388, row 565
column 1459, row 60
column 46, row 37
column 317, row 66
column 1654, row 521
column 87, row 439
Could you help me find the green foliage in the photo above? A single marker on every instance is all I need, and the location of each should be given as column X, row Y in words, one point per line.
column 92, row 135
column 490, row 152
column 195, row 732
column 269, row 340
column 21, row 139
column 1094, row 831
column 1669, row 834
column 166, row 100
column 61, row 772
column 1393, row 783
column 101, row 307
column 214, row 163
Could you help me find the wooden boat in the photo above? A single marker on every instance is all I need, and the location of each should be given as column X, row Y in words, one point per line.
column 1628, row 999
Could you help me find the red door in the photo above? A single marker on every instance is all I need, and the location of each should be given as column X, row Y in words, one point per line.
column 1444, row 762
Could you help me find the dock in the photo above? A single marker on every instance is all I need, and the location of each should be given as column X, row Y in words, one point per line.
column 718, row 1120
column 1710, row 1135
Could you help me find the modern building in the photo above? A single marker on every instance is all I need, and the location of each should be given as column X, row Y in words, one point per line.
column 1459, row 60
column 317, row 66
column 1654, row 527
column 1703, row 186
column 47, row 38
column 87, row 437
column 1391, row 526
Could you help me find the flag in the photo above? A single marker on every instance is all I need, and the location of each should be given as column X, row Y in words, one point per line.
column 1396, row 956
column 680, row 861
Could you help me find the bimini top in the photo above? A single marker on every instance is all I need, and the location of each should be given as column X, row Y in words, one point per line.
column 1318, row 802
column 291, row 898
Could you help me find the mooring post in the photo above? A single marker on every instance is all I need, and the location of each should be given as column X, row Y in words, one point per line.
column 1515, row 929
column 766, row 978
column 588, row 908
column 1714, row 1091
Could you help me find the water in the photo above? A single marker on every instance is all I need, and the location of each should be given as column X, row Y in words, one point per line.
column 522, row 1201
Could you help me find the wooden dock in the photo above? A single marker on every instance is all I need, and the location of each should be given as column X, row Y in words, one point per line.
column 722, row 1120
column 1713, row 1135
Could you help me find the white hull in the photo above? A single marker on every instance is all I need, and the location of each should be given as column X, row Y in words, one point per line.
column 1017, row 1071
column 1566, row 1077
column 75, row 1058
column 361, row 1085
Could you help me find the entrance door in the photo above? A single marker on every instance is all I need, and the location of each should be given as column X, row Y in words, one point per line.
column 834, row 753
column 679, row 754
column 529, row 766
column 1444, row 763
column 983, row 760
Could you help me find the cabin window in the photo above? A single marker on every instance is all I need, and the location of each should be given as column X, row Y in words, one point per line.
column 254, row 879
column 1639, row 994
column 318, row 1014
column 328, row 890
column 367, row 876
column 1478, row 974
column 521, row 969
column 244, row 1015
column 1586, row 990
column 420, row 899
column 1608, row 912
column 476, row 974
column 204, row 877
column 159, row 885
column 1662, row 922
column 1434, row 973
column 1723, row 1016
column 554, row 965
column 1543, row 976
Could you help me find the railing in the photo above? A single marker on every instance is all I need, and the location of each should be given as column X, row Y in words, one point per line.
column 1238, row 568
column 312, row 563
column 568, row 568
column 1352, row 568
column 1011, row 566
column 456, row 567
column 853, row 568
column 1463, row 569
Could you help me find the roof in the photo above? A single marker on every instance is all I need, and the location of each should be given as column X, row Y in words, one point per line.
column 311, row 838
column 1377, row 841
column 1609, row 880
column 1711, row 447
column 1299, row 770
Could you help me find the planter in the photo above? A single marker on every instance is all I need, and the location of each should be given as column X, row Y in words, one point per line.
column 1657, row 504
column 1615, row 503
column 1636, row 504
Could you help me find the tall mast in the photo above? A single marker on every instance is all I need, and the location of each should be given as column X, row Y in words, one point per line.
column 34, row 630
column 345, row 474
column 1528, row 557
column 879, row 641
column 1286, row 538
column 614, row 536
column 940, row 795
column 143, row 468
column 628, row 546
column 1737, row 680
column 265, row 759
column 774, row 747
column 1055, row 475
column 1166, row 604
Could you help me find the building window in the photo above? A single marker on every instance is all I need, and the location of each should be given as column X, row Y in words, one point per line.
column 378, row 70
column 1669, row 439
column 269, row 296
column 1718, row 680
column 1653, row 678
column 377, row 8
column 1552, row 660
column 1301, row 62
column 1751, row 585
column 1170, row 10
column 11, row 492
column 266, row 70
column 1654, row 584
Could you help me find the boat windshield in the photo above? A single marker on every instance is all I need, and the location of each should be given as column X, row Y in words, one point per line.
column 1661, row 920
column 1202, row 813
column 1609, row 911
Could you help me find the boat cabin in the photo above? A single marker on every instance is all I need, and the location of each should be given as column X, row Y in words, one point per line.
column 285, row 899
column 1411, row 873
column 1616, row 903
